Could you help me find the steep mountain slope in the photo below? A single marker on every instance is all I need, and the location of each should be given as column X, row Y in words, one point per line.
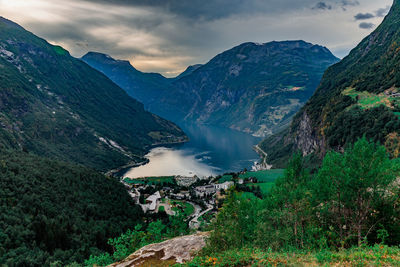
column 57, row 106
column 359, row 95
column 189, row 70
column 255, row 88
column 145, row 87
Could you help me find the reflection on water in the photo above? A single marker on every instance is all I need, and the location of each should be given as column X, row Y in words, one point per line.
column 210, row 151
column 169, row 161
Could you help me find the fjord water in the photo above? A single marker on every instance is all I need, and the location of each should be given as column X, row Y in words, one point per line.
column 210, row 151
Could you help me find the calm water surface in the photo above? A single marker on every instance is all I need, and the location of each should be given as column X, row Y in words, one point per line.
column 210, row 151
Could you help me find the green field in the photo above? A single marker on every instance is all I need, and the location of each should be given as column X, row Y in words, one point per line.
column 178, row 206
column 151, row 180
column 267, row 176
column 265, row 187
column 266, row 179
column 368, row 100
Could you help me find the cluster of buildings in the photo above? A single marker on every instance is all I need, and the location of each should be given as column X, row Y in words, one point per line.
column 211, row 189
column 184, row 190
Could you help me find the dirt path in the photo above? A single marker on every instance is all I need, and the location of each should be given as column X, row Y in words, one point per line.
column 263, row 165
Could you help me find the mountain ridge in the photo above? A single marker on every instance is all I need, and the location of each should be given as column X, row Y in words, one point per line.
column 57, row 106
column 232, row 89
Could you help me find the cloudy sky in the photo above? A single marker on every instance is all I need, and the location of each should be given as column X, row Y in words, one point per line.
column 168, row 35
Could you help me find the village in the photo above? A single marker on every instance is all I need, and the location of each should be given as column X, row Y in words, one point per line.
column 197, row 198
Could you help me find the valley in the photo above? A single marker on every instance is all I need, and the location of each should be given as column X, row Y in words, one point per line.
column 252, row 88
column 266, row 154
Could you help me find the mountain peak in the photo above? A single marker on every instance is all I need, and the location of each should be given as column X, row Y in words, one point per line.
column 9, row 23
column 91, row 54
column 101, row 57
column 189, row 70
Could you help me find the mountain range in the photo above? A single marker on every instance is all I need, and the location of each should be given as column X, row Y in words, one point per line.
column 57, row 106
column 358, row 96
column 253, row 88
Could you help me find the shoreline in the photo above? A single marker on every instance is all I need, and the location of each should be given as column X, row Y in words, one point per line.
column 129, row 165
column 114, row 172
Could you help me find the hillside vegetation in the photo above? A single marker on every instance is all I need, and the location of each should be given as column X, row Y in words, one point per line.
column 57, row 213
column 346, row 213
column 55, row 105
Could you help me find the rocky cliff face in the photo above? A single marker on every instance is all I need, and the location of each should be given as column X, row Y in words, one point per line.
column 254, row 88
column 356, row 97
column 306, row 139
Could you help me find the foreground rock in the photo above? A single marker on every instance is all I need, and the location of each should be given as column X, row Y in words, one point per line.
column 167, row 253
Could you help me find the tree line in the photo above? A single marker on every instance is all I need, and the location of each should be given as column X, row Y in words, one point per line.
column 352, row 199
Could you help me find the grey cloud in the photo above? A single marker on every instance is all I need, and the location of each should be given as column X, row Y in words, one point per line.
column 152, row 32
column 348, row 3
column 219, row 9
column 364, row 16
column 382, row 11
column 322, row 6
column 366, row 25
column 196, row 10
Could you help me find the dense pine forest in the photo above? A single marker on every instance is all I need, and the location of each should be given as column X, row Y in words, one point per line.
column 55, row 212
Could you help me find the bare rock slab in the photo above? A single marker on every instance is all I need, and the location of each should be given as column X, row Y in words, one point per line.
column 176, row 250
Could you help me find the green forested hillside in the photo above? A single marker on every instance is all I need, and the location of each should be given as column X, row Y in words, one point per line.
column 57, row 212
column 57, row 106
column 345, row 214
column 358, row 96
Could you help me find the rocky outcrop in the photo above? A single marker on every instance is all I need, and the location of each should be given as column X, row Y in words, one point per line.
column 176, row 250
column 306, row 139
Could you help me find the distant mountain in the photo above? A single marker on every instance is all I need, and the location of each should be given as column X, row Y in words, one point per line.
column 358, row 96
column 254, row 88
column 189, row 70
column 57, row 106
column 145, row 87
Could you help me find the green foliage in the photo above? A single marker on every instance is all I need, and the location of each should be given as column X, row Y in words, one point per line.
column 352, row 200
column 375, row 123
column 235, row 224
column 151, row 180
column 351, row 187
column 377, row 255
column 265, row 176
column 57, row 212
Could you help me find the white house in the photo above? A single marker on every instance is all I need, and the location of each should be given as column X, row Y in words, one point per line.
column 151, row 202
column 224, row 186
